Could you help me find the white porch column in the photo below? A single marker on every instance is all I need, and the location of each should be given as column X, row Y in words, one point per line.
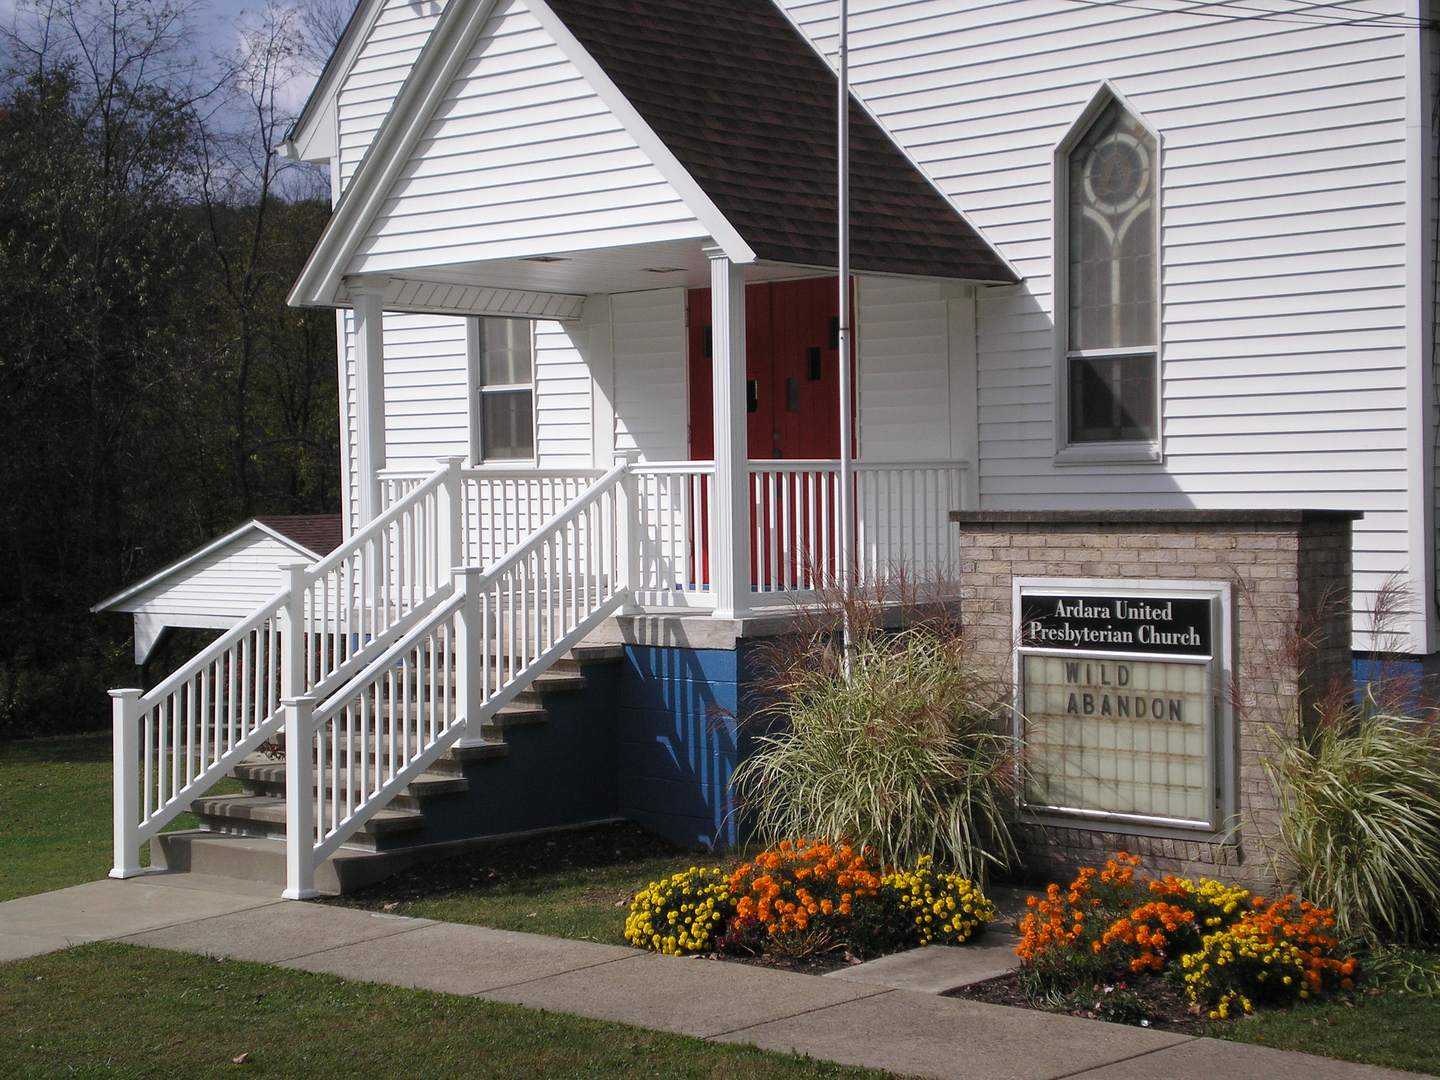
column 368, row 294
column 730, row 516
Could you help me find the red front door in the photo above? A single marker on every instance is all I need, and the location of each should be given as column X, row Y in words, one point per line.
column 792, row 376
column 792, row 371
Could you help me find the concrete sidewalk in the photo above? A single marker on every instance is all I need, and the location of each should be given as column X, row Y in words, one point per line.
column 842, row 1020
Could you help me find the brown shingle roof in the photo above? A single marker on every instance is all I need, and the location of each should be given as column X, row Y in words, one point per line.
column 748, row 108
column 321, row 533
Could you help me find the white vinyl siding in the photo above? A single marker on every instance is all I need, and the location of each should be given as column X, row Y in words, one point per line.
column 651, row 395
column 380, row 68
column 428, row 397
column 521, row 158
column 349, row 425
column 228, row 583
column 1283, row 233
column 426, row 391
column 904, row 370
column 563, row 406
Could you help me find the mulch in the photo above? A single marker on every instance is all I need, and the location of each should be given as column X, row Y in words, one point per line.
column 1166, row 1005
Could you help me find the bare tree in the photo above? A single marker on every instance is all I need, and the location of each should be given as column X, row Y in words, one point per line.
column 323, row 22
column 243, row 186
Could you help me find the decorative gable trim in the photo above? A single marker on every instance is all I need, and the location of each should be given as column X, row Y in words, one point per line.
column 721, row 231
column 312, row 136
column 320, row 283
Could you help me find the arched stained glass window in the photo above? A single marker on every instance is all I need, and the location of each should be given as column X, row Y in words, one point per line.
column 1113, row 332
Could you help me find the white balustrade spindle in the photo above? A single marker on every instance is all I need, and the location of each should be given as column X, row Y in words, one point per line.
column 673, row 503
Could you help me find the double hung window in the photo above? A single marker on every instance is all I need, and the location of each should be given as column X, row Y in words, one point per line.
column 505, row 398
column 1111, row 261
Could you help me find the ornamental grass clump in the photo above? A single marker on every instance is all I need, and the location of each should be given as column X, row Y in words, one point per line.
column 681, row 913
column 1359, row 823
column 906, row 754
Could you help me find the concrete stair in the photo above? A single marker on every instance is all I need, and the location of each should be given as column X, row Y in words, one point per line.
column 243, row 835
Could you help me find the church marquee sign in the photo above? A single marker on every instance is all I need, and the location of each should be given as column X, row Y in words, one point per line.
column 1119, row 711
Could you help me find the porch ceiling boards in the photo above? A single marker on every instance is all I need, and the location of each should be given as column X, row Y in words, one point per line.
column 748, row 108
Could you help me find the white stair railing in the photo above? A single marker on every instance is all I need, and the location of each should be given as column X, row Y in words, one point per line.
column 172, row 743
column 350, row 754
column 357, row 600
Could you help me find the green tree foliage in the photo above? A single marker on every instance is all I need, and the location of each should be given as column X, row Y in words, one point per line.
column 154, row 387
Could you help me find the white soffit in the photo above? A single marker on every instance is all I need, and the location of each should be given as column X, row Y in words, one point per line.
column 444, row 298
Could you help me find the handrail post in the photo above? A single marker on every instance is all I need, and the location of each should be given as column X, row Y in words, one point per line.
column 126, row 752
column 299, row 799
column 293, row 676
column 299, row 767
column 450, row 520
column 468, row 662
column 628, row 532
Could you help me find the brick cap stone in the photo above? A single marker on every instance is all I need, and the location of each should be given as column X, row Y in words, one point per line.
column 1151, row 517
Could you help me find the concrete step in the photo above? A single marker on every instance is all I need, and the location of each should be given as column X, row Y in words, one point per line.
column 264, row 815
column 262, row 859
column 597, row 654
column 266, row 777
column 454, row 760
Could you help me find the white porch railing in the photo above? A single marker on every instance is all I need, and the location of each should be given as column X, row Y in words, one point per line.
column 500, row 507
column 901, row 519
column 673, row 502
column 349, row 756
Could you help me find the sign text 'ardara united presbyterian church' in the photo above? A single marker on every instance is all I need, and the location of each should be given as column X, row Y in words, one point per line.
column 1117, row 702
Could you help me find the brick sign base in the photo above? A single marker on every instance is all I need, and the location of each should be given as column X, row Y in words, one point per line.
column 1290, row 575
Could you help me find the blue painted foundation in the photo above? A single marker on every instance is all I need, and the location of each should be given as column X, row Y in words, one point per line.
column 679, row 743
column 559, row 773
column 655, row 738
column 1405, row 671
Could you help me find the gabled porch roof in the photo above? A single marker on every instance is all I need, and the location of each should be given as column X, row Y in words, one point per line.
column 731, row 106
column 747, row 106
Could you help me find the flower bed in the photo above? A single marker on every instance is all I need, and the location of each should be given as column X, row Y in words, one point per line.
column 804, row 898
column 1228, row 949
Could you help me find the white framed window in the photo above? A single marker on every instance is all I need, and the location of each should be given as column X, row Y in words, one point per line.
column 1107, row 211
column 503, row 402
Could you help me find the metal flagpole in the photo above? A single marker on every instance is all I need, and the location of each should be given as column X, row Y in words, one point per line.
column 845, row 503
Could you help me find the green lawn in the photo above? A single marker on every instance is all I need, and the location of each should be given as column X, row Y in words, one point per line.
column 121, row 1011
column 587, row 904
column 55, row 832
column 1393, row 1028
column 55, row 813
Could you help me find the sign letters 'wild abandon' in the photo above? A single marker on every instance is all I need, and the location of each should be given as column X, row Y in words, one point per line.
column 1118, row 706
